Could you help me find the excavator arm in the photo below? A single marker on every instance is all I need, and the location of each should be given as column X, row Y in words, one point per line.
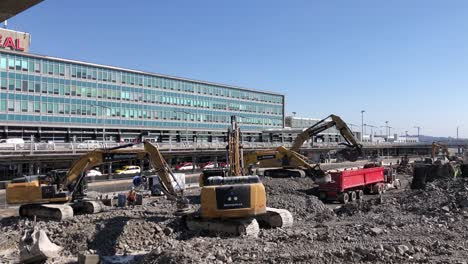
column 353, row 148
column 100, row 156
column 162, row 168
column 95, row 158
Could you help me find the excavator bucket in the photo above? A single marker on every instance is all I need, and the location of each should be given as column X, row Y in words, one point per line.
column 350, row 154
column 35, row 247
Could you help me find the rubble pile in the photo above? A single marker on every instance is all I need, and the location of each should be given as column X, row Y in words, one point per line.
column 402, row 225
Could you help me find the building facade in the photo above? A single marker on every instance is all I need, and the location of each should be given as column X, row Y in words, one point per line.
column 57, row 99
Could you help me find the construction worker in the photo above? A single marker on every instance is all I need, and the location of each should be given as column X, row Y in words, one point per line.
column 131, row 197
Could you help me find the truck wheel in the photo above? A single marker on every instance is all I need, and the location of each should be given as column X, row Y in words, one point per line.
column 380, row 189
column 323, row 196
column 343, row 198
column 397, row 184
column 352, row 195
column 360, row 194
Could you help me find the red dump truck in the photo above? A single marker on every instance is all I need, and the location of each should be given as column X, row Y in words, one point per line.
column 351, row 184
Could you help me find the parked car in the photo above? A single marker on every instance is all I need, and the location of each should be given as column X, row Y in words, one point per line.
column 184, row 166
column 208, row 165
column 129, row 169
column 91, row 144
column 12, row 141
column 212, row 164
column 93, row 173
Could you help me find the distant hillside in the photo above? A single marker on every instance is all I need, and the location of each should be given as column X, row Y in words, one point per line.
column 423, row 138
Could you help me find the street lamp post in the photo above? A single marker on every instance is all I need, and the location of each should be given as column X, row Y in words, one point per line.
column 387, row 130
column 418, row 128
column 372, row 131
column 362, row 123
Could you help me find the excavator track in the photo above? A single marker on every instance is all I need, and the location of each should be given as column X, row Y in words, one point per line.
column 237, row 227
column 88, row 207
column 274, row 218
column 59, row 212
column 284, row 173
column 56, row 212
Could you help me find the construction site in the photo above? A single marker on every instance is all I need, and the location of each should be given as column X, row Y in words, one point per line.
column 408, row 210
column 188, row 171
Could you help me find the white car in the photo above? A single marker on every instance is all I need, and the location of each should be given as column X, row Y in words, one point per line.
column 89, row 144
column 11, row 143
column 93, row 173
column 129, row 170
column 185, row 166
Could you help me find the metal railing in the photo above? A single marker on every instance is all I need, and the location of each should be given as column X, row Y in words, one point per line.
column 32, row 148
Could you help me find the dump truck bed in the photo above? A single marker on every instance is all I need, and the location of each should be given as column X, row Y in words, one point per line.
column 353, row 178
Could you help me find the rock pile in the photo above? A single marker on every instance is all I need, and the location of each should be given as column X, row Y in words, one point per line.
column 403, row 226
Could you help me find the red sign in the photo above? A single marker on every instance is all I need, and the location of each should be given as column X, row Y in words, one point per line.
column 9, row 43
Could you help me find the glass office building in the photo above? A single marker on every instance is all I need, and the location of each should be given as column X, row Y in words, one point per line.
column 51, row 98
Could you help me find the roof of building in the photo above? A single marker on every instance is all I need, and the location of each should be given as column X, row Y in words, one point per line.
column 139, row 72
column 10, row 8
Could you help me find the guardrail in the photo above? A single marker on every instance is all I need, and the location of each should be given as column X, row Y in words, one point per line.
column 32, row 148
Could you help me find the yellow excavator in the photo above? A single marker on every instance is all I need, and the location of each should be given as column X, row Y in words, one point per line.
column 237, row 198
column 233, row 205
column 59, row 194
column 435, row 153
column 283, row 162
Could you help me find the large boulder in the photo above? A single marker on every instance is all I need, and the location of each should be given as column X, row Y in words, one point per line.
column 35, row 247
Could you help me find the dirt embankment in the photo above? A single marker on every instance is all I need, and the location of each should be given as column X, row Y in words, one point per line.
column 405, row 226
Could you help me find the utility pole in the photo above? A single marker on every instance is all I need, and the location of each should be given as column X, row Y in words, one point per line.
column 387, row 130
column 362, row 123
column 418, row 127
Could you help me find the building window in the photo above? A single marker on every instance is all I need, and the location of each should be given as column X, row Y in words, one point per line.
column 37, row 87
column 4, row 84
column 3, row 105
column 24, row 106
column 37, row 107
column 3, row 63
column 25, row 86
column 11, row 105
column 18, row 85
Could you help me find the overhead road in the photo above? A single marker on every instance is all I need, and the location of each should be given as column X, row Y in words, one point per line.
column 10, row 8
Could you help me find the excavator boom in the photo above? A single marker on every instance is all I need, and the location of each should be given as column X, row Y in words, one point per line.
column 324, row 124
column 36, row 195
column 293, row 163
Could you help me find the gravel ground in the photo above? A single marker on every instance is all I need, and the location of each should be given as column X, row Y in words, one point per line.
column 420, row 226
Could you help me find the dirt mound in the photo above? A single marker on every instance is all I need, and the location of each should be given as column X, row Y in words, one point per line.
column 170, row 257
column 401, row 226
column 293, row 194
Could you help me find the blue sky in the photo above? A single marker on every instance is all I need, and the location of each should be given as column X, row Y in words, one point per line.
column 401, row 61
